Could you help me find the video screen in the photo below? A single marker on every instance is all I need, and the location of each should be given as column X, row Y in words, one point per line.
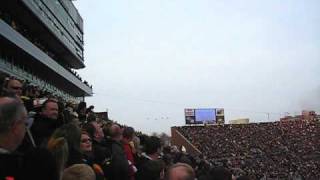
column 205, row 116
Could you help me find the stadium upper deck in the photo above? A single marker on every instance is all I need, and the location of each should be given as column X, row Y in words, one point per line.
column 42, row 41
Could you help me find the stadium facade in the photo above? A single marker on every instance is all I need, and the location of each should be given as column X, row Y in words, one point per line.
column 240, row 121
column 41, row 41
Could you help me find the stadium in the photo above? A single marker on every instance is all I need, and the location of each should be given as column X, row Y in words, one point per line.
column 42, row 48
column 49, row 131
column 285, row 149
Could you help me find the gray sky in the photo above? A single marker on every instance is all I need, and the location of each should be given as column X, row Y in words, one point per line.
column 150, row 59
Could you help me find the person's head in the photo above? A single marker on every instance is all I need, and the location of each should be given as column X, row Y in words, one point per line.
column 60, row 107
column 13, row 85
column 70, row 105
column 128, row 133
column 106, row 129
column 82, row 106
column 98, row 132
column 79, row 172
column 58, row 147
column 90, row 129
column 152, row 170
column 75, row 120
column 36, row 92
column 50, row 109
column 166, row 150
column 136, row 144
column 115, row 132
column 90, row 109
column 86, row 144
column 152, row 145
column 28, row 91
column 180, row 171
column 72, row 134
column 220, row 173
column 13, row 118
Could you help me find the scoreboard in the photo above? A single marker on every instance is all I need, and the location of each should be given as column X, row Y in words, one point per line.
column 204, row 116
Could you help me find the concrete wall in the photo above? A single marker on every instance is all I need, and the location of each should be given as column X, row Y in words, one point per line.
column 179, row 140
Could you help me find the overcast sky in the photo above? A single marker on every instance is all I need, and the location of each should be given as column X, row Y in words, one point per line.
column 150, row 59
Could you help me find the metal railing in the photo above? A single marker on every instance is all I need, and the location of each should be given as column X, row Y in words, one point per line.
column 22, row 74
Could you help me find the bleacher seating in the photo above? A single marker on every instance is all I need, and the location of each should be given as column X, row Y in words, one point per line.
column 274, row 149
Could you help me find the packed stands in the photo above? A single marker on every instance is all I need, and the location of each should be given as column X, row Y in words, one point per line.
column 261, row 150
column 44, row 136
column 47, row 130
column 71, row 136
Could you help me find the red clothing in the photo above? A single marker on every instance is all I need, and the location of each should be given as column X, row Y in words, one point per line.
column 128, row 151
column 129, row 155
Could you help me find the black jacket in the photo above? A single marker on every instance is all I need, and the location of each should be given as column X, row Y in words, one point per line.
column 37, row 164
column 11, row 165
column 43, row 128
column 119, row 169
column 109, row 154
column 101, row 155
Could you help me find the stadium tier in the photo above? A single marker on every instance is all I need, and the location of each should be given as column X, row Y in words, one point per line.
column 42, row 42
column 272, row 150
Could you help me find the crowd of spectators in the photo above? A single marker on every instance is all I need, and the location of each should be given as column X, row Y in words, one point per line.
column 25, row 32
column 45, row 137
column 273, row 150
